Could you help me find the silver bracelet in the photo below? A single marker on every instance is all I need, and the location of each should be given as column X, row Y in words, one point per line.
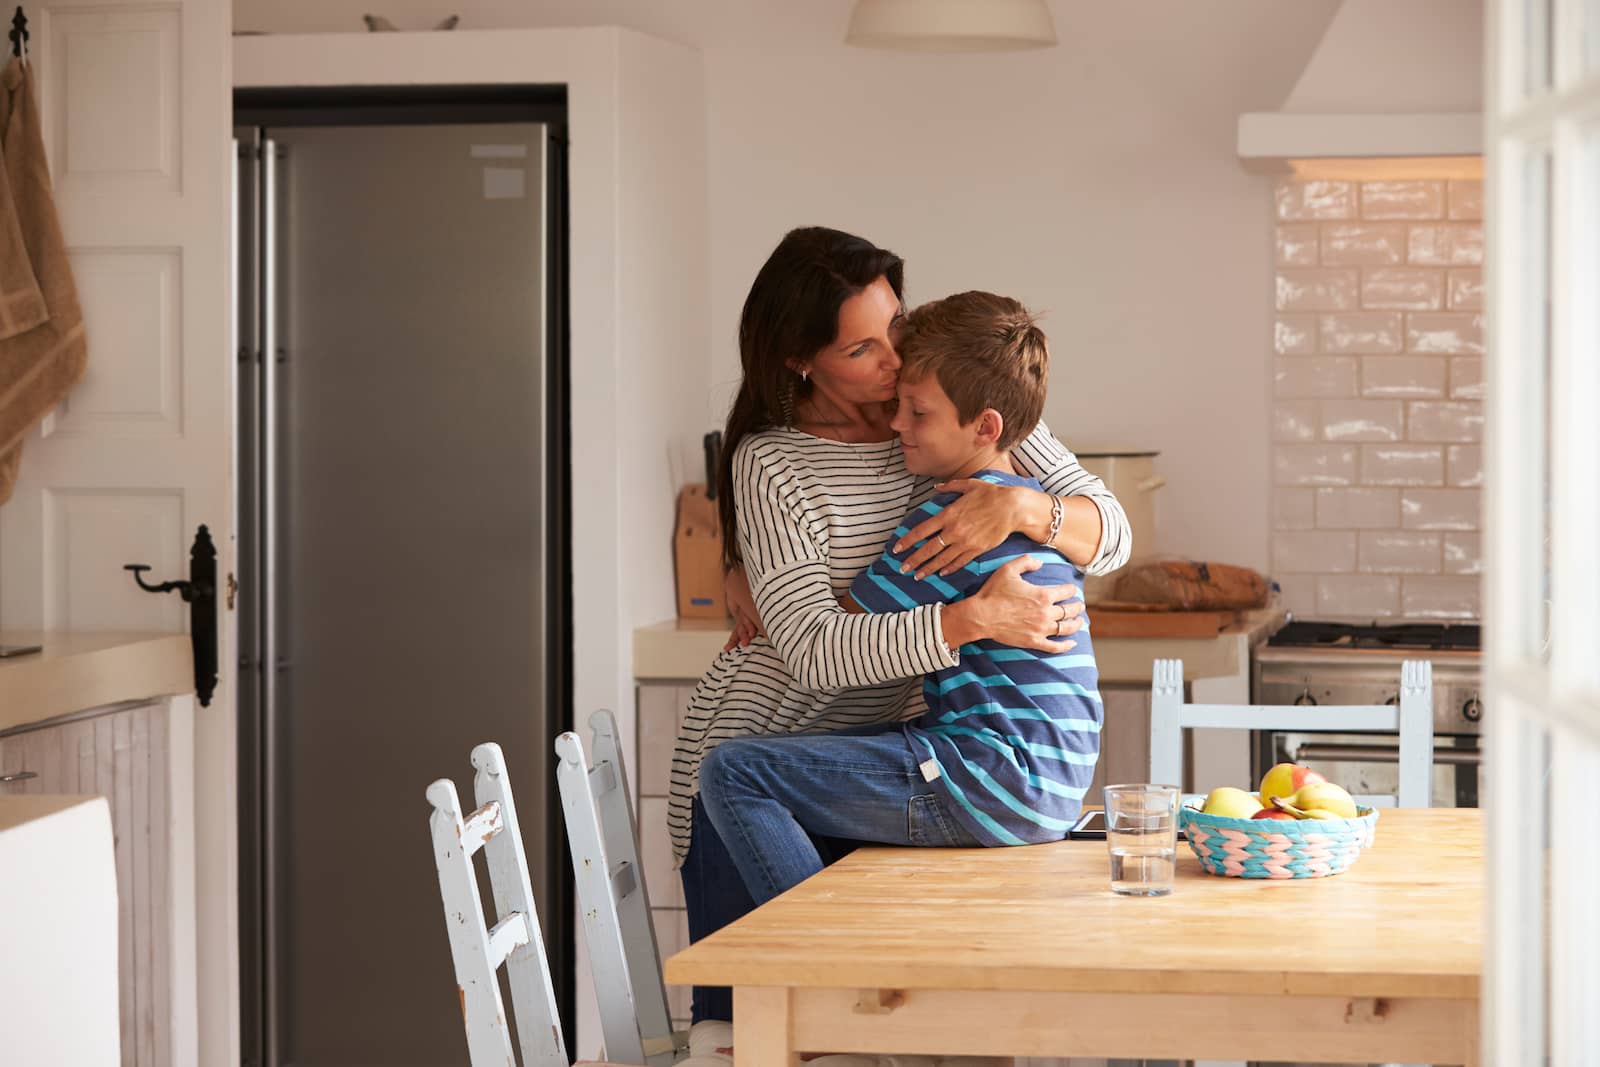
column 1057, row 512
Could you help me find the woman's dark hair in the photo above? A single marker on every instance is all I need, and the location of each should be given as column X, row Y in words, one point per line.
column 792, row 313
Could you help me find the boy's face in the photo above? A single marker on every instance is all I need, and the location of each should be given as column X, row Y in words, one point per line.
column 932, row 437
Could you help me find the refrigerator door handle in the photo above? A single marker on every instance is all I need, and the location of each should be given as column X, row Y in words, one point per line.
column 271, row 712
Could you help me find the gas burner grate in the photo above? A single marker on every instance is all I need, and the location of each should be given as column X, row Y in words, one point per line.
column 1419, row 635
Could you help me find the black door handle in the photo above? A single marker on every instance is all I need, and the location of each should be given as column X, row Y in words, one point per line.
column 200, row 593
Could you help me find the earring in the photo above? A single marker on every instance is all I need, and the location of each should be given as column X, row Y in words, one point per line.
column 805, row 375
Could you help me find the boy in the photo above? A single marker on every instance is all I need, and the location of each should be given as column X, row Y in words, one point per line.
column 1007, row 746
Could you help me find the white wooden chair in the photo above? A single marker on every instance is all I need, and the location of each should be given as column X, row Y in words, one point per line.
column 621, row 939
column 1411, row 718
column 477, row 949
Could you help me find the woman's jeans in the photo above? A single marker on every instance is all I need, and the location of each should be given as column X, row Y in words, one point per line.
column 771, row 797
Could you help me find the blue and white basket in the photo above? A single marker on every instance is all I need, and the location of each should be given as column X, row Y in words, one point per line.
column 1276, row 848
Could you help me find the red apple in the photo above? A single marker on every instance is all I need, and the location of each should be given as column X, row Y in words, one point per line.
column 1272, row 813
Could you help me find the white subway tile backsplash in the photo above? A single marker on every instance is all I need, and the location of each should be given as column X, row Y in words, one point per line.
column 1466, row 290
column 1444, row 421
column 1402, row 200
column 1313, row 552
column 1318, row 289
column 1295, row 335
column 1294, row 509
column 1404, row 377
column 1466, row 200
column 1399, row 552
column 1440, row 509
column 1314, row 376
column 1464, row 466
column 1421, row 465
column 1297, row 244
column 1404, row 288
column 1363, row 420
column 1450, row 244
column 1440, row 598
column 1361, row 331
column 1297, row 594
column 1357, row 244
column 1295, row 421
column 1298, row 200
column 1466, row 377
column 1358, row 509
column 1363, row 596
column 1463, row 553
column 1445, row 333
column 1378, row 415
column 1314, row 465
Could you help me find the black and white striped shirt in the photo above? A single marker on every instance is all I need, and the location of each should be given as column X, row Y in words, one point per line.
column 813, row 514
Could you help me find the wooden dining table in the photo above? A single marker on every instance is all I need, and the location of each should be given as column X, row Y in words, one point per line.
column 1027, row 952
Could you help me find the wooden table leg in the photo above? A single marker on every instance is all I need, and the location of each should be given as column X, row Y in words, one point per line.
column 763, row 1027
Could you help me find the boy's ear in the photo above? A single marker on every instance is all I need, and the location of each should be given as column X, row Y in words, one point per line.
column 991, row 424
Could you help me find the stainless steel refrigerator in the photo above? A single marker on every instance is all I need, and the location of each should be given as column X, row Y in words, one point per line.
column 402, row 593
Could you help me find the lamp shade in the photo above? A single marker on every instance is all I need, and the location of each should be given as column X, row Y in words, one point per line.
column 951, row 25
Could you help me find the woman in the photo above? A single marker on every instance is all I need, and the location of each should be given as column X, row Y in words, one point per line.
column 812, row 482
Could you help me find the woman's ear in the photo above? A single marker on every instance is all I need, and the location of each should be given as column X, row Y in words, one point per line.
column 991, row 424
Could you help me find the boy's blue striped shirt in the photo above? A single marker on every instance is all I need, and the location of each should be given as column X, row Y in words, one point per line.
column 1014, row 733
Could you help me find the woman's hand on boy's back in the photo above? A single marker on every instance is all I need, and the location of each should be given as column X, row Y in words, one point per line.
column 1013, row 611
column 982, row 515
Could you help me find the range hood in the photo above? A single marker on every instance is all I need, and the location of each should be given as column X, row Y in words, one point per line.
column 1390, row 80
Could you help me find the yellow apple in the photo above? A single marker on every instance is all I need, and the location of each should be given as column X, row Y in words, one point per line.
column 1284, row 779
column 1230, row 802
column 1322, row 797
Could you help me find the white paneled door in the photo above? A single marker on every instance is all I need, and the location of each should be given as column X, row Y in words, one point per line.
column 135, row 99
column 1542, row 980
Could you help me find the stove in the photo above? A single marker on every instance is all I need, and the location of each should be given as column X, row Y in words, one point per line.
column 1312, row 662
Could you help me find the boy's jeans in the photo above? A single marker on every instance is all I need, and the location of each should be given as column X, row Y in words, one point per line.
column 768, row 796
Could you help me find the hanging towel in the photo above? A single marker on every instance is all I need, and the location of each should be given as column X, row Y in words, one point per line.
column 42, row 345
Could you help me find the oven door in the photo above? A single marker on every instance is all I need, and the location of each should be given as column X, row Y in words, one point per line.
column 1368, row 763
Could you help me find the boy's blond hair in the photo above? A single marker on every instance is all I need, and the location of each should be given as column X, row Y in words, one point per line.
column 985, row 351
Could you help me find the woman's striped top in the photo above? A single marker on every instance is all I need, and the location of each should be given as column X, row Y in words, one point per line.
column 813, row 514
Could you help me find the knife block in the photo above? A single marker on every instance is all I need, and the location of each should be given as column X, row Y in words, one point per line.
column 697, row 556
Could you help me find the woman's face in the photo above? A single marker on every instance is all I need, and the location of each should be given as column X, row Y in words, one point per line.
column 861, row 365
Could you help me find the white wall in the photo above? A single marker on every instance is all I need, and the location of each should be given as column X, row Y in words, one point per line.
column 1096, row 180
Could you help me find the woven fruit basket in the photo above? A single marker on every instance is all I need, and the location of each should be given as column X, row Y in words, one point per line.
column 1276, row 848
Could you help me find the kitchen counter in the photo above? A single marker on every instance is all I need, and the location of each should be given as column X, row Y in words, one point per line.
column 88, row 670
column 682, row 649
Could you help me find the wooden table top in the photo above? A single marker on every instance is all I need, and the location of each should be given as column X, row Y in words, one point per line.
column 1405, row 920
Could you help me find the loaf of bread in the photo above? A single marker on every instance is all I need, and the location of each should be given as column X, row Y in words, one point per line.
column 1192, row 585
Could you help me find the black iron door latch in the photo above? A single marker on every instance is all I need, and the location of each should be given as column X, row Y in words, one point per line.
column 200, row 593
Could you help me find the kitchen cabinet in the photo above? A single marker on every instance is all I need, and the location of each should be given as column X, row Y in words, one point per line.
column 136, row 755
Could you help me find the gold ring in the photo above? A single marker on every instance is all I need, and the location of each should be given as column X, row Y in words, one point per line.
column 942, row 542
column 1063, row 608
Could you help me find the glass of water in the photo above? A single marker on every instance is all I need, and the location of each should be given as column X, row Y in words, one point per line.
column 1142, row 831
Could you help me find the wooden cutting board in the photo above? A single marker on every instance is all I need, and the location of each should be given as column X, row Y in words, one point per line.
column 1117, row 619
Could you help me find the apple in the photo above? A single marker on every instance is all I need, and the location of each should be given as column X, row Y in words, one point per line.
column 1272, row 813
column 1325, row 798
column 1285, row 779
column 1231, row 803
